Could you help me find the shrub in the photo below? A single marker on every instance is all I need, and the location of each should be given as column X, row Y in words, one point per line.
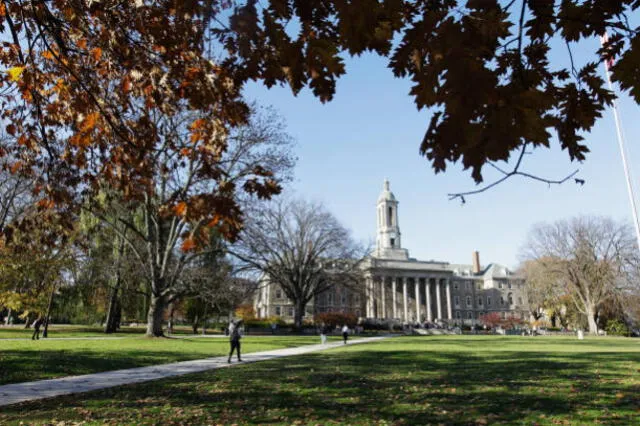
column 333, row 319
column 615, row 327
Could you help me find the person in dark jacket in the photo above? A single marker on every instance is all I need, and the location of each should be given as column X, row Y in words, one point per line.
column 36, row 328
column 235, row 335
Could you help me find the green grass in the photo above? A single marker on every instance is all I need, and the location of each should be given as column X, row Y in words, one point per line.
column 27, row 360
column 67, row 331
column 453, row 380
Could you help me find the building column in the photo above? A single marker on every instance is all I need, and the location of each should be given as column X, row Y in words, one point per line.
column 383, row 297
column 448, row 287
column 405, row 301
column 367, row 297
column 417, row 285
column 438, row 301
column 428, row 293
column 394, row 289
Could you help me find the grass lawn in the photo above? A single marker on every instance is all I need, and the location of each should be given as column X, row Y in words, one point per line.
column 26, row 360
column 410, row 380
column 66, row 331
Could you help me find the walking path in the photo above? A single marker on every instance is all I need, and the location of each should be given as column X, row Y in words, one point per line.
column 31, row 391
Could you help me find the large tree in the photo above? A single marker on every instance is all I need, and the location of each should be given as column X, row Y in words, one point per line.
column 300, row 247
column 84, row 77
column 591, row 259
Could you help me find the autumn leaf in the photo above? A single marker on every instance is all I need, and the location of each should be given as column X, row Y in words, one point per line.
column 89, row 122
column 14, row 73
column 188, row 244
column 96, row 53
column 180, row 209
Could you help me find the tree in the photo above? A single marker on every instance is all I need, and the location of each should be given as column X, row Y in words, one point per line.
column 84, row 79
column 591, row 259
column 300, row 247
column 491, row 319
column 168, row 233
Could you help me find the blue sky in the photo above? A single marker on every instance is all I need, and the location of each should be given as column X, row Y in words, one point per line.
column 372, row 131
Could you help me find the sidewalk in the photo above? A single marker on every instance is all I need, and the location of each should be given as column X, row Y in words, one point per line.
column 32, row 391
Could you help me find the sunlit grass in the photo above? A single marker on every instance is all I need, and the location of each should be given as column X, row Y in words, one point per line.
column 29, row 360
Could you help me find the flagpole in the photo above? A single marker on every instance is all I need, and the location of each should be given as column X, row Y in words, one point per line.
column 621, row 145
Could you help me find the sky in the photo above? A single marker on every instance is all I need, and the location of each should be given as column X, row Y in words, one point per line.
column 372, row 130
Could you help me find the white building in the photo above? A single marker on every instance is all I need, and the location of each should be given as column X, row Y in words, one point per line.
column 402, row 288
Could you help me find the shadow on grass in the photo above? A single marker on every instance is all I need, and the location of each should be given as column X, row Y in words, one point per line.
column 362, row 385
column 41, row 362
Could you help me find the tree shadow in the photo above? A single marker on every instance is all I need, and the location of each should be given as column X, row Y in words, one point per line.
column 362, row 385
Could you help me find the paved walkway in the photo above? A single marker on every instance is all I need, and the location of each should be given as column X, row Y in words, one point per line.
column 31, row 391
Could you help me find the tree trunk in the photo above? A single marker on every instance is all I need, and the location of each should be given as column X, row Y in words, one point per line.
column 591, row 318
column 298, row 313
column 154, row 316
column 47, row 317
column 194, row 324
column 113, row 312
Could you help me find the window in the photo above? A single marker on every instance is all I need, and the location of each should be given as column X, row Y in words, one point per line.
column 479, row 300
column 509, row 286
column 389, row 221
column 330, row 298
column 455, row 285
column 278, row 294
column 478, row 286
column 500, row 285
column 521, row 315
column 393, row 242
column 457, row 314
column 456, row 301
column 278, row 311
column 488, row 300
column 501, row 300
column 343, row 300
column 468, row 286
column 357, row 298
column 480, row 315
column 290, row 312
column 468, row 301
column 510, row 299
column 469, row 315
column 519, row 300
column 357, row 312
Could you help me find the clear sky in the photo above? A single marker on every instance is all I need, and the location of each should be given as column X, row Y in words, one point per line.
column 372, row 131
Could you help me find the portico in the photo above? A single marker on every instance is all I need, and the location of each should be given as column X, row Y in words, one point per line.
column 408, row 296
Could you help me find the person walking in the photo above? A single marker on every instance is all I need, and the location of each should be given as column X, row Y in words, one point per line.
column 345, row 333
column 234, row 339
column 323, row 334
column 36, row 328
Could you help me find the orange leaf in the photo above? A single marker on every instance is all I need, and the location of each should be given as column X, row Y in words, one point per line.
column 188, row 244
column 11, row 129
column 200, row 123
column 89, row 122
column 180, row 209
column 96, row 53
column 82, row 43
column 47, row 55
column 185, row 152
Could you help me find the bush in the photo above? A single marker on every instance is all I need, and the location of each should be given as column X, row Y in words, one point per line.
column 616, row 327
column 336, row 319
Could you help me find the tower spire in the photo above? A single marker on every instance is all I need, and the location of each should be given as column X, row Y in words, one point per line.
column 388, row 239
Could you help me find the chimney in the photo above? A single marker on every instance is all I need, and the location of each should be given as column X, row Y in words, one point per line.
column 476, row 262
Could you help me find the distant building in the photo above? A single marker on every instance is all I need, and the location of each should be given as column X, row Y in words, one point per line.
column 400, row 287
